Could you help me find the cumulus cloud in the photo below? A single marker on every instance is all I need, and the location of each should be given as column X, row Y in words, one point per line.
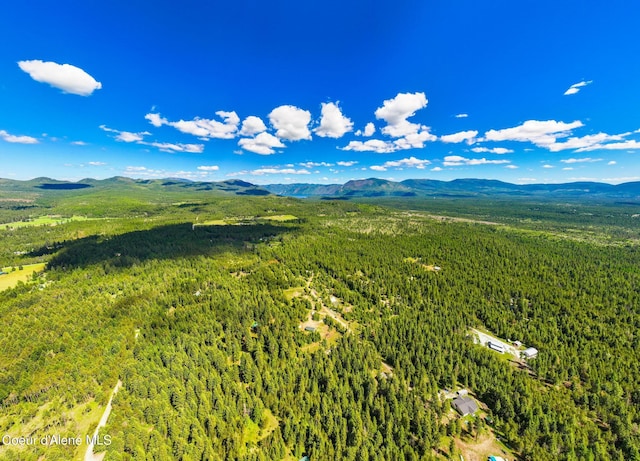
column 263, row 144
column 457, row 160
column 17, row 139
column 612, row 162
column 332, row 123
column 144, row 172
column 172, row 148
column 585, row 143
column 96, row 163
column 156, row 120
column 252, row 125
column 410, row 162
column 539, row 132
column 547, row 166
column 582, row 160
column 209, row 168
column 396, row 111
column 626, row 145
column 125, row 136
column 263, row 171
column 79, row 143
column 68, row 78
column 494, row 150
column 368, row 131
column 573, row 89
column 372, row 145
column 202, row 127
column 462, row 115
column 291, row 123
column 347, row 163
column 468, row 136
column 437, row 168
column 315, row 164
column 511, row 167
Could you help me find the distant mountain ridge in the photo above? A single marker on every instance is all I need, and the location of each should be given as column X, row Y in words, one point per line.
column 232, row 186
column 371, row 187
column 374, row 187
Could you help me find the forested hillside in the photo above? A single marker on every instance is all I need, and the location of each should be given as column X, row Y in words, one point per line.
column 268, row 328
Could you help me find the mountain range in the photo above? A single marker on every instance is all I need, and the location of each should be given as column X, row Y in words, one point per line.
column 372, row 187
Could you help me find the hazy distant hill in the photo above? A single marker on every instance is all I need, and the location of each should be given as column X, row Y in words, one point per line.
column 372, row 187
column 458, row 188
column 43, row 185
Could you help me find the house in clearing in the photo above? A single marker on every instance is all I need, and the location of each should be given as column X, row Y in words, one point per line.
column 309, row 328
column 529, row 353
column 464, row 405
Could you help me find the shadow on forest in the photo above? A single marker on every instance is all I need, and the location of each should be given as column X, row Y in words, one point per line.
column 163, row 242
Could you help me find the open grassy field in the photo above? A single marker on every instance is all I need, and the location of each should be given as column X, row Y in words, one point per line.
column 50, row 220
column 14, row 275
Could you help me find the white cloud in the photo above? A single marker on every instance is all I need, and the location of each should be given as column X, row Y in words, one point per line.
column 612, row 162
column 125, row 136
column 315, row 164
column 437, row 168
column 252, row 125
column 494, row 150
column 626, row 145
column 291, row 123
column 172, row 148
column 547, row 166
column 156, row 120
column 468, row 136
column 415, row 140
column 527, row 179
column 585, row 143
column 457, row 160
column 333, row 124
column 79, row 143
column 511, row 167
column 569, row 168
column 202, row 127
column 372, row 145
column 263, row 144
column 541, row 133
column 581, row 160
column 347, row 163
column 369, row 129
column 96, row 163
column 209, row 168
column 621, row 179
column 462, row 115
column 68, row 78
column 573, row 89
column 396, row 111
column 410, row 162
column 144, row 172
column 263, row 171
column 17, row 139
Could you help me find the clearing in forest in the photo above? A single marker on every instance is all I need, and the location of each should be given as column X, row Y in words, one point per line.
column 50, row 220
column 481, row 448
column 13, row 275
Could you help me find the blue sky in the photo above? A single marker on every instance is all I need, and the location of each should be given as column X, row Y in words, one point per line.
column 321, row 92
